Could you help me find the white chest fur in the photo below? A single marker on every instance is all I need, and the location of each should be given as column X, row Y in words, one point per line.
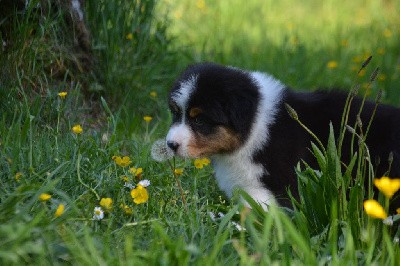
column 233, row 172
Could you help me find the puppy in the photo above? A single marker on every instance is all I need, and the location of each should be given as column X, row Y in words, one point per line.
column 238, row 119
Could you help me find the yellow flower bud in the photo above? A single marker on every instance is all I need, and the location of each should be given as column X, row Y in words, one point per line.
column 374, row 209
column 44, row 197
column 77, row 129
column 387, row 185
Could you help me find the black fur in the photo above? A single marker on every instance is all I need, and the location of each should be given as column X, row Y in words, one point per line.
column 290, row 143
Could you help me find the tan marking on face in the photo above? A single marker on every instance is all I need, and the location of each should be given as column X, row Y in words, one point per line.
column 223, row 141
column 195, row 111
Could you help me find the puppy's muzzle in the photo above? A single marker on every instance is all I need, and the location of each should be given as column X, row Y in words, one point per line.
column 173, row 145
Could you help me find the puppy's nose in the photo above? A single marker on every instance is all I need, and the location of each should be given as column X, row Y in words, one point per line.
column 173, row 145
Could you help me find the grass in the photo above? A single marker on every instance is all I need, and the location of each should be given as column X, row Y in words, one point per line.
column 296, row 41
column 40, row 154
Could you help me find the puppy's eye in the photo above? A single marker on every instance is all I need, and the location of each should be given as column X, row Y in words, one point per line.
column 175, row 115
column 176, row 112
column 199, row 120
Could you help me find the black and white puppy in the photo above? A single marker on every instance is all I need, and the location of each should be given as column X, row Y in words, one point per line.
column 238, row 119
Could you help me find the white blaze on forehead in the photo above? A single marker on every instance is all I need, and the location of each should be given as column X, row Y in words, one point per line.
column 180, row 133
column 182, row 95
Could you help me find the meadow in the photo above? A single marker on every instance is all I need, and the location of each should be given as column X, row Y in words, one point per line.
column 64, row 155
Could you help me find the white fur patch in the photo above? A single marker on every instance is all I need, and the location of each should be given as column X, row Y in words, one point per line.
column 238, row 170
column 181, row 133
column 182, row 95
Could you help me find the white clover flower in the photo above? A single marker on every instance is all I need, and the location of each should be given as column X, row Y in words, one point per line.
column 160, row 152
column 98, row 213
column 212, row 216
column 144, row 183
column 129, row 185
column 238, row 226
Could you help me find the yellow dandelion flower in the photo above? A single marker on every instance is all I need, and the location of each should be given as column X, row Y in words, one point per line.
column 136, row 171
column 201, row 4
column 387, row 33
column 128, row 210
column 44, row 197
column 357, row 59
column 153, row 94
column 18, row 176
column 139, row 195
column 387, row 185
column 129, row 36
column 124, row 178
column 178, row 171
column 361, row 73
column 139, row 172
column 294, row 40
column 147, row 118
column 354, row 68
column 374, row 209
column 178, row 14
column 62, row 94
column 77, row 129
column 398, row 210
column 106, row 203
column 60, row 210
column 122, row 161
column 205, row 161
column 332, row 64
column 200, row 163
column 381, row 77
column 132, row 170
column 344, row 43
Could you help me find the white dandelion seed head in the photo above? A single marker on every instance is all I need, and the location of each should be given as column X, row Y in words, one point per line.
column 160, row 152
column 98, row 213
column 144, row 183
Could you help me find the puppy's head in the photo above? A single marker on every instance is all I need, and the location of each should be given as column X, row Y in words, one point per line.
column 213, row 108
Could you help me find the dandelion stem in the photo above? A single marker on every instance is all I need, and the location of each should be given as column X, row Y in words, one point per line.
column 78, row 167
column 178, row 183
column 58, row 126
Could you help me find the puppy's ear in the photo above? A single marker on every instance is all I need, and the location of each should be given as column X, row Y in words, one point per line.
column 241, row 108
